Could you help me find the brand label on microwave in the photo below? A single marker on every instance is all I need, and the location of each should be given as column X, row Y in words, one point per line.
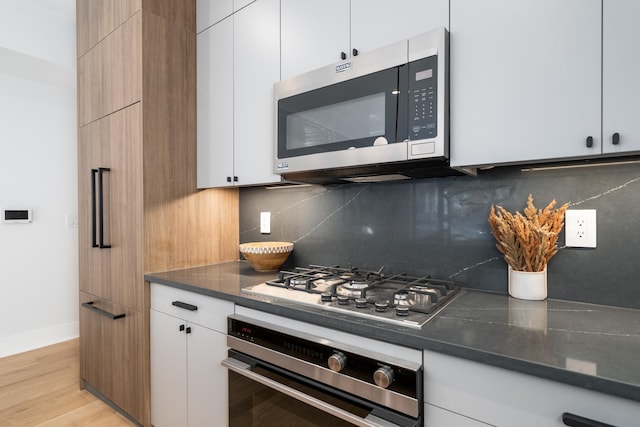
column 343, row 67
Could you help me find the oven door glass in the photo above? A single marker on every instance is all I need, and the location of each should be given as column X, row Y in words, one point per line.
column 351, row 114
column 265, row 396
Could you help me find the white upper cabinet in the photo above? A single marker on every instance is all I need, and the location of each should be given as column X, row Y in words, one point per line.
column 238, row 63
column 256, row 64
column 621, row 76
column 215, row 105
column 316, row 33
column 525, row 80
column 209, row 12
column 377, row 23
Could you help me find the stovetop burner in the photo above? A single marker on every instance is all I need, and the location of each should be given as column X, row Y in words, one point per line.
column 398, row 298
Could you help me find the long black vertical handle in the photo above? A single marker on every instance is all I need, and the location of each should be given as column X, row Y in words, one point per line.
column 101, row 208
column 94, row 240
column 578, row 421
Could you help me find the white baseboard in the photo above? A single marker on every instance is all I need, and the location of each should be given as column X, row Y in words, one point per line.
column 31, row 340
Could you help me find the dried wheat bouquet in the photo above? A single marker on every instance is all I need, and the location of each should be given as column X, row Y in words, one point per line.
column 527, row 241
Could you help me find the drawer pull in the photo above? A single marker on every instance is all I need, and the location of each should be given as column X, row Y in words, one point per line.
column 185, row 306
column 578, row 421
column 92, row 307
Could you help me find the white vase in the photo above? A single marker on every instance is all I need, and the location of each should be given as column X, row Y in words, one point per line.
column 527, row 284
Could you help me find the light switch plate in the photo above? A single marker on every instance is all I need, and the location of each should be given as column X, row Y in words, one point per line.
column 580, row 228
column 265, row 222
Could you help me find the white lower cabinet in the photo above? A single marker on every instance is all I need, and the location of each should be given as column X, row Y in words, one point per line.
column 435, row 416
column 461, row 392
column 188, row 384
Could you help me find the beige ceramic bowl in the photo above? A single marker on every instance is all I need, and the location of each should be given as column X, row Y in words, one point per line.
column 266, row 256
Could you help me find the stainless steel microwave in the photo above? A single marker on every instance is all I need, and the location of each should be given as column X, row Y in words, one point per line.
column 378, row 116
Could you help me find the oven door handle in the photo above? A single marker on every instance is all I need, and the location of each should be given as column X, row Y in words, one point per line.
column 244, row 369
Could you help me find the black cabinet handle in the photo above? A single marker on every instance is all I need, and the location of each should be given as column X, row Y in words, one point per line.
column 354, row 52
column 184, row 305
column 615, row 138
column 97, row 209
column 343, row 56
column 228, row 179
column 188, row 329
column 573, row 420
column 94, row 211
column 235, row 179
column 589, row 141
column 104, row 313
column 101, row 208
column 181, row 328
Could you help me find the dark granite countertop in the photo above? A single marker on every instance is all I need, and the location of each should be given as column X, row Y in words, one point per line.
column 591, row 346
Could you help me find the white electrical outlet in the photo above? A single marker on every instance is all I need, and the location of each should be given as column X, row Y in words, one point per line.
column 580, row 228
column 265, row 222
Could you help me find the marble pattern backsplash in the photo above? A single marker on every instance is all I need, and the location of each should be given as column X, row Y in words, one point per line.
column 439, row 227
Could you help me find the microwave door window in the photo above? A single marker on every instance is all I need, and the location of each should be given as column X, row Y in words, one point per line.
column 357, row 119
column 349, row 114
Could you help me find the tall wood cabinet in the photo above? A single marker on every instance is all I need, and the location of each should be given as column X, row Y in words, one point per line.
column 138, row 205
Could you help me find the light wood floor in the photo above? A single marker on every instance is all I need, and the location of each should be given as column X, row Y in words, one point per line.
column 41, row 388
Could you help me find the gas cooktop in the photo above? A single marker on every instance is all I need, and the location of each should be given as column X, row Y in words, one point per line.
column 398, row 298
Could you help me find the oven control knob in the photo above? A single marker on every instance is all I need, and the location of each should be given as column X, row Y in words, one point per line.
column 337, row 361
column 383, row 376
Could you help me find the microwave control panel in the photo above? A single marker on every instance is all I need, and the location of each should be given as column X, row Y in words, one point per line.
column 423, row 98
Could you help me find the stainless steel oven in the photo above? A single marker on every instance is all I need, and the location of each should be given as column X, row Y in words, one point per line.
column 289, row 373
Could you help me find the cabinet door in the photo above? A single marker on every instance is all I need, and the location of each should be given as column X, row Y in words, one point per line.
column 501, row 397
column 207, row 379
column 98, row 18
column 110, row 75
column 378, row 23
column 313, row 34
column 209, row 12
column 114, row 142
column 438, row 417
column 256, row 68
column 112, row 354
column 94, row 263
column 215, row 105
column 621, row 68
column 168, row 370
column 525, row 80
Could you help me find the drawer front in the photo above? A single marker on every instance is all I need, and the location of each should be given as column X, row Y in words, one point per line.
column 200, row 309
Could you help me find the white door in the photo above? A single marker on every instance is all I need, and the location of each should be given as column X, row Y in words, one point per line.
column 313, row 34
column 168, row 370
column 525, row 80
column 377, row 23
column 621, row 74
column 215, row 105
column 256, row 69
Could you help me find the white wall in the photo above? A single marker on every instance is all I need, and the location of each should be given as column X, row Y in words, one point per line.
column 38, row 261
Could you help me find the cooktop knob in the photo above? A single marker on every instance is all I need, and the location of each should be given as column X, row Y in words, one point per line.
column 381, row 306
column 383, row 376
column 325, row 297
column 402, row 310
column 343, row 300
column 337, row 361
column 361, row 302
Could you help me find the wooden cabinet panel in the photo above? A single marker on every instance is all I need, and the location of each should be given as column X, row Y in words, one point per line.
column 112, row 355
column 95, row 19
column 110, row 75
column 177, row 13
column 114, row 142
